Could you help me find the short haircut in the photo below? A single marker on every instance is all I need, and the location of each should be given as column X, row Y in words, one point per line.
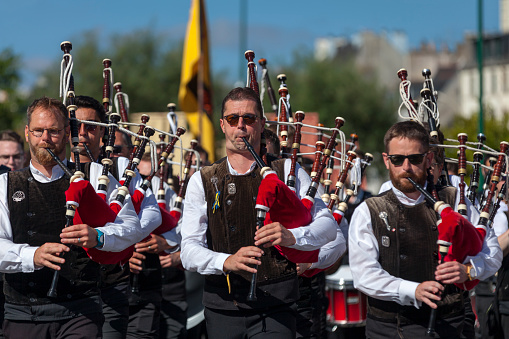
column 407, row 129
column 126, row 140
column 271, row 137
column 54, row 105
column 202, row 150
column 83, row 101
column 10, row 135
column 241, row 94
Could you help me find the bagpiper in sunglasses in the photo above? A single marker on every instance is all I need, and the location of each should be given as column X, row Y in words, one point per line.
column 398, row 159
column 233, row 119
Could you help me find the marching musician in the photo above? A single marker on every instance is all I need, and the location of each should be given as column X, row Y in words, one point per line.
column 114, row 283
column 32, row 215
column 393, row 250
column 219, row 238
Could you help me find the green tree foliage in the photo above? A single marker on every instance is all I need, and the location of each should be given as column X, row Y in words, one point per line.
column 11, row 108
column 336, row 88
column 496, row 130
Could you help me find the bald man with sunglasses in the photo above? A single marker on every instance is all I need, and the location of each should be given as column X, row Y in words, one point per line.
column 393, row 250
column 220, row 239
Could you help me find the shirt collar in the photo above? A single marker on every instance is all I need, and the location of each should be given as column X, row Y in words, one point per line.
column 56, row 173
column 406, row 200
column 234, row 172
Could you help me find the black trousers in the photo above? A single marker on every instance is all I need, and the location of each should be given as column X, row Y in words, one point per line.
column 450, row 328
column 277, row 322
column 312, row 307
column 116, row 310
column 173, row 320
column 83, row 327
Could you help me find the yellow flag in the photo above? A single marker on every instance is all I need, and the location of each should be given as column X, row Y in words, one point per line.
column 195, row 90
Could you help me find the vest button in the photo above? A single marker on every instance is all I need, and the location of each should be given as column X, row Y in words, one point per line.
column 29, row 214
column 265, row 277
column 253, row 174
column 69, row 296
column 402, row 256
column 30, row 233
column 31, row 284
column 233, row 228
column 433, row 228
column 402, row 230
column 72, row 282
column 32, row 300
column 30, row 179
column 228, row 202
column 103, row 268
column 227, row 177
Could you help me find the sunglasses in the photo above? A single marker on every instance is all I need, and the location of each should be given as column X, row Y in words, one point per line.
column 88, row 128
column 398, row 159
column 233, row 119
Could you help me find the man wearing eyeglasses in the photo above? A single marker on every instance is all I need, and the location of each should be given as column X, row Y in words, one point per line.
column 393, row 250
column 220, row 240
column 32, row 238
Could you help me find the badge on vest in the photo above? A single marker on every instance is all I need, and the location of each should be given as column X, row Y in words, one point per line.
column 383, row 216
column 231, row 188
column 386, row 242
column 18, row 196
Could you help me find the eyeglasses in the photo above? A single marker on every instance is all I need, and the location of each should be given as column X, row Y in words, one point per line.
column 398, row 159
column 88, row 127
column 233, row 119
column 38, row 132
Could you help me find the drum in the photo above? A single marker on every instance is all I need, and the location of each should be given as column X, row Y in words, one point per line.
column 347, row 306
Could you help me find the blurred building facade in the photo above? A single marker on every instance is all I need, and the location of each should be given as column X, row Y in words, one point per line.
column 454, row 72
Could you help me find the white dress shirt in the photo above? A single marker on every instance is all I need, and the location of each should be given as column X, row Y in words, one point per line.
column 173, row 237
column 195, row 254
column 373, row 280
column 120, row 234
column 149, row 215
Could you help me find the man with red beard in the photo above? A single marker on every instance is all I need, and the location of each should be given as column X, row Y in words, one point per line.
column 393, row 250
column 32, row 238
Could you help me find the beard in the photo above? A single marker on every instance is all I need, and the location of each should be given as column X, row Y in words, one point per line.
column 402, row 184
column 42, row 156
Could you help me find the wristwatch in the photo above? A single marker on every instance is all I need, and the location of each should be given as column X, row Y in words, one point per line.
column 100, row 239
column 471, row 272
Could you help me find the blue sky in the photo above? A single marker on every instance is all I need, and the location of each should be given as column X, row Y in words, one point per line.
column 35, row 28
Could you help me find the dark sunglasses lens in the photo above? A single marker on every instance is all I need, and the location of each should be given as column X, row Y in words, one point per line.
column 416, row 159
column 91, row 128
column 397, row 160
column 232, row 119
column 249, row 119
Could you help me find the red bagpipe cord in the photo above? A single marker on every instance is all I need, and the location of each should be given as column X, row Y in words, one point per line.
column 286, row 208
column 95, row 212
column 466, row 239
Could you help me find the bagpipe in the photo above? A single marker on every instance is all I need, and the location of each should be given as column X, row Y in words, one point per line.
column 456, row 231
column 277, row 201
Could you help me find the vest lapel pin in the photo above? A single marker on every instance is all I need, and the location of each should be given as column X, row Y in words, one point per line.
column 18, row 196
column 386, row 241
column 214, row 181
column 231, row 188
column 383, row 216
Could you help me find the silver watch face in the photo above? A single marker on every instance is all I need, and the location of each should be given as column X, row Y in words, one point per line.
column 473, row 272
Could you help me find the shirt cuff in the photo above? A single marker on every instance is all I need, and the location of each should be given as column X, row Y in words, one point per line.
column 218, row 263
column 407, row 293
column 477, row 265
column 27, row 259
